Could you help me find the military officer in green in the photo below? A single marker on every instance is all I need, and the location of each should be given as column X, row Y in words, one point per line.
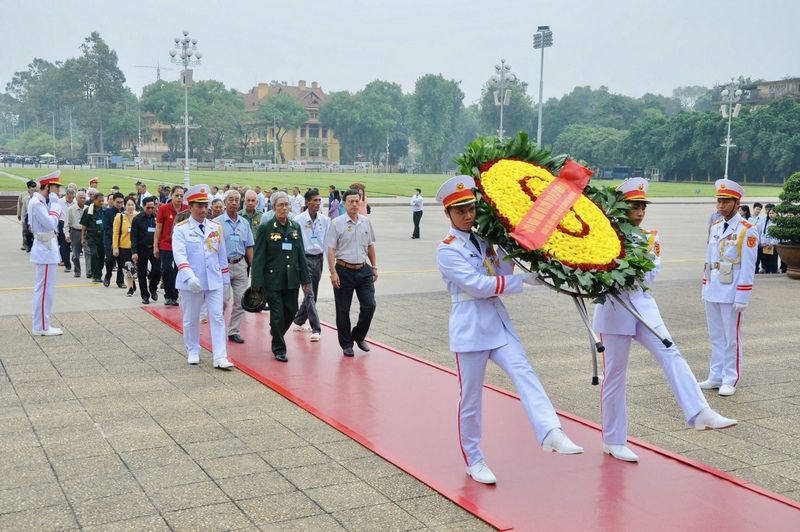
column 92, row 236
column 250, row 212
column 280, row 268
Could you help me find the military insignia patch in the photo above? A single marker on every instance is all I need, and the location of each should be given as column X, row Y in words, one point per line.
column 449, row 239
column 275, row 237
column 294, row 235
column 657, row 249
column 752, row 241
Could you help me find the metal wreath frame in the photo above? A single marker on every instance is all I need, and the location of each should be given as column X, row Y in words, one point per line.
column 579, row 298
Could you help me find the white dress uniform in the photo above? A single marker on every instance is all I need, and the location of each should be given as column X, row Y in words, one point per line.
column 618, row 327
column 727, row 284
column 481, row 329
column 202, row 276
column 43, row 216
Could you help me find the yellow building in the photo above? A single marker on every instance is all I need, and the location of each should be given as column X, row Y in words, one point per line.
column 312, row 141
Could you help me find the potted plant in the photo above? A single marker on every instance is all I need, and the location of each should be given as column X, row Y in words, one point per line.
column 787, row 225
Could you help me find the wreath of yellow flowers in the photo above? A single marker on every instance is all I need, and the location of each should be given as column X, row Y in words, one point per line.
column 585, row 239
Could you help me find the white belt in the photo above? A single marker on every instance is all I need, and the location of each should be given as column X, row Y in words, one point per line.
column 462, row 296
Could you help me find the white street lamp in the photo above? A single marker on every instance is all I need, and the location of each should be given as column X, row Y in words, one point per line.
column 730, row 95
column 502, row 96
column 543, row 38
column 182, row 54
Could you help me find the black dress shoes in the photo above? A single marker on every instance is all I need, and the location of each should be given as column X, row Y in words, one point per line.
column 281, row 357
column 236, row 338
column 362, row 344
column 154, row 295
column 348, row 352
column 106, row 283
column 145, row 301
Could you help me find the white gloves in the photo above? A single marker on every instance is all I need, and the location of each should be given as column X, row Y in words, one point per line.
column 739, row 307
column 531, row 278
column 194, row 285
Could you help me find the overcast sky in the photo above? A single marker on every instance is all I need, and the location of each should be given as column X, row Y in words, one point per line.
column 631, row 46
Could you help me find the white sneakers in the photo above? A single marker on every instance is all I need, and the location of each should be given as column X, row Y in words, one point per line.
column 223, row 363
column 50, row 331
column 306, row 328
column 620, row 452
column 193, row 359
column 726, row 390
column 480, row 472
column 314, row 337
column 557, row 441
column 709, row 419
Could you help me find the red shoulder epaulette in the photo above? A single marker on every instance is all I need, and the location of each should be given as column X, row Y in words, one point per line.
column 449, row 239
column 719, row 221
column 746, row 224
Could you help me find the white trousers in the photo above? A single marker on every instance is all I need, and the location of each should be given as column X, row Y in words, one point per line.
column 615, row 379
column 727, row 347
column 191, row 303
column 471, row 371
column 235, row 291
column 43, row 292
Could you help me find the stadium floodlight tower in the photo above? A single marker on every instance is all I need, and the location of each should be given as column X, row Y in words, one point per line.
column 730, row 96
column 186, row 53
column 502, row 96
column 543, row 38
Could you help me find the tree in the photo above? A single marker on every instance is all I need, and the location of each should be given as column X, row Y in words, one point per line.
column 598, row 145
column 434, row 113
column 164, row 99
column 689, row 95
column 285, row 112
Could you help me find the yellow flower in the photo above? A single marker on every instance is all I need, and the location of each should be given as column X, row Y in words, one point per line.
column 584, row 238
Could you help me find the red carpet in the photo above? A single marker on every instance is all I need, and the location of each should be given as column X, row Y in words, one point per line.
column 404, row 409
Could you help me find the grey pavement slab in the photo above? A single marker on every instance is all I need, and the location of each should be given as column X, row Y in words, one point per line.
column 108, row 428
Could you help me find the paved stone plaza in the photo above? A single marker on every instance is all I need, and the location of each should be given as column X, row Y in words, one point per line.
column 108, row 428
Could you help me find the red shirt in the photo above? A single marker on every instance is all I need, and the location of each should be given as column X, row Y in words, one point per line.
column 166, row 217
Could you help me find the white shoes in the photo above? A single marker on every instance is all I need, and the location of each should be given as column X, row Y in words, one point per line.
column 223, row 363
column 620, row 452
column 709, row 419
column 480, row 472
column 726, row 390
column 193, row 359
column 314, row 337
column 50, row 331
column 557, row 441
column 306, row 328
column 708, row 384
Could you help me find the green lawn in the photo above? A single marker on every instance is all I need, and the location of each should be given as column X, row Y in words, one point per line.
column 378, row 185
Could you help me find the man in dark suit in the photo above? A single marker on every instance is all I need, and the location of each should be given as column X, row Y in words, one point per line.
column 279, row 268
column 142, row 230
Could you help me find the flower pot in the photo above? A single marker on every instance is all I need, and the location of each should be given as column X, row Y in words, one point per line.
column 790, row 254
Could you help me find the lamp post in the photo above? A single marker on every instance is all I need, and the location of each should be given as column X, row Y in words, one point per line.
column 730, row 95
column 543, row 38
column 502, row 96
column 185, row 48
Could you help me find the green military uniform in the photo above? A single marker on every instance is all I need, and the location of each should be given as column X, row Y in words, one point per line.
column 94, row 238
column 253, row 219
column 279, row 268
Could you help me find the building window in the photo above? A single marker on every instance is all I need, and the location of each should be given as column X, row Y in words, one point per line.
column 313, row 131
column 325, row 151
column 303, row 149
column 324, row 132
column 302, row 132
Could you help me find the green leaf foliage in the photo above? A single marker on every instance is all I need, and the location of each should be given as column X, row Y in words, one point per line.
column 787, row 223
column 629, row 272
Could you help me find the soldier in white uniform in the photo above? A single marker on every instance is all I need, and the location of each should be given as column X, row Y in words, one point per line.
column 618, row 327
column 481, row 329
column 727, row 284
column 44, row 212
column 199, row 250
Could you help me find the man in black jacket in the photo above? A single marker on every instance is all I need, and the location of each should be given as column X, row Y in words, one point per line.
column 143, row 228
column 109, row 213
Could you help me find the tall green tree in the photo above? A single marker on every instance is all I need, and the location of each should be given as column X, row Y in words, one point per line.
column 286, row 113
column 434, row 114
column 598, row 145
column 164, row 99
